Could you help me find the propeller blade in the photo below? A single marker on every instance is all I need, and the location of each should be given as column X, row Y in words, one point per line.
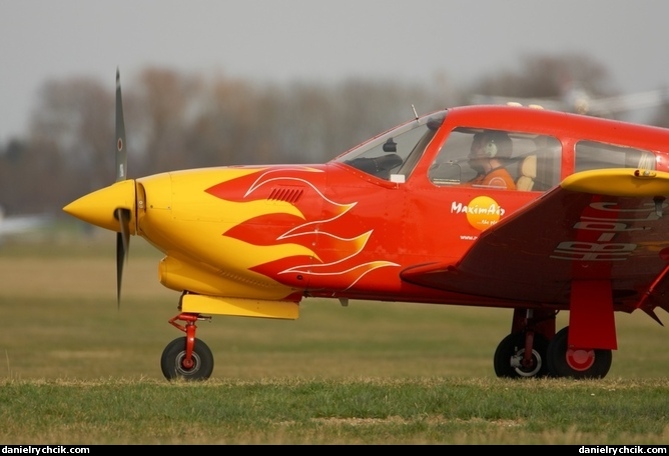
column 121, row 156
column 123, row 215
column 122, row 246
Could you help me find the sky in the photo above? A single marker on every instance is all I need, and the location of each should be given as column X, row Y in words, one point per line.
column 318, row 41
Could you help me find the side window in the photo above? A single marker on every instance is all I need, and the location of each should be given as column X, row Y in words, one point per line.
column 497, row 159
column 590, row 155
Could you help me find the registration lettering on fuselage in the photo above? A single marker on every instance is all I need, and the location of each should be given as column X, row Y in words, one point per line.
column 605, row 229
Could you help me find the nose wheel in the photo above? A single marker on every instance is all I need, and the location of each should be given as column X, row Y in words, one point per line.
column 187, row 358
column 176, row 364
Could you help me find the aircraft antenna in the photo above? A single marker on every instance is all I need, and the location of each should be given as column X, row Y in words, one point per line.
column 414, row 111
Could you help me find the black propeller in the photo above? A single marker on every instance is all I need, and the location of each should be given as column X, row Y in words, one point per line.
column 121, row 156
column 122, row 215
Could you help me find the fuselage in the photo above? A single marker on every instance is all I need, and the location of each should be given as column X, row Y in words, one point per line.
column 349, row 227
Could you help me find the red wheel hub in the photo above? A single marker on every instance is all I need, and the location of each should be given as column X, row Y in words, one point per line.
column 580, row 359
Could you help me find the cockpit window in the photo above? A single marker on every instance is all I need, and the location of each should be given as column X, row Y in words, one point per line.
column 590, row 155
column 396, row 152
column 497, row 159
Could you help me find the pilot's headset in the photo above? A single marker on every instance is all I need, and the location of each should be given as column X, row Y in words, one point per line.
column 495, row 144
column 489, row 148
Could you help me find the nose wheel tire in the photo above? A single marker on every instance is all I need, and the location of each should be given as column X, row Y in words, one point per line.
column 175, row 364
column 576, row 363
column 509, row 357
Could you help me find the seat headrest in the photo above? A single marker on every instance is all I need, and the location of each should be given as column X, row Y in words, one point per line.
column 528, row 167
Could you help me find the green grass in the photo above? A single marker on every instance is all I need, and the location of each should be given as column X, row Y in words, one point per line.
column 369, row 411
column 75, row 369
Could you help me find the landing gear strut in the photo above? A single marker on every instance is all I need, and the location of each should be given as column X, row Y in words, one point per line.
column 510, row 360
column 186, row 357
column 522, row 353
column 534, row 349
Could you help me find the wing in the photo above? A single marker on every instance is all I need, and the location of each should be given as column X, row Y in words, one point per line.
column 555, row 104
column 599, row 239
column 628, row 102
column 602, row 107
column 21, row 224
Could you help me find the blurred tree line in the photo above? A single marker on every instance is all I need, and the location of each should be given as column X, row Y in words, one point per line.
column 175, row 120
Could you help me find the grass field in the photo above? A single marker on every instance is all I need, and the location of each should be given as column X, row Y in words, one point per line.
column 75, row 369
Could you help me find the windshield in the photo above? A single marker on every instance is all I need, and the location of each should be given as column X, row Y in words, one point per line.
column 396, row 152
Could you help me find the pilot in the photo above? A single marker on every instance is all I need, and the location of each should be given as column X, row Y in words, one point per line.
column 487, row 155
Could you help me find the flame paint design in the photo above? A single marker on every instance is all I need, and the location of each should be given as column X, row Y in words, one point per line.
column 312, row 225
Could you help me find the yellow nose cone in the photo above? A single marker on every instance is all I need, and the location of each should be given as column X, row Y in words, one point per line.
column 98, row 208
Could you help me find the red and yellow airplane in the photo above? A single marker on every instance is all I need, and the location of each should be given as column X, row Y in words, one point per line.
column 573, row 221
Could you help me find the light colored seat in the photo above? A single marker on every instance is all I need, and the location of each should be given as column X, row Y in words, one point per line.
column 527, row 173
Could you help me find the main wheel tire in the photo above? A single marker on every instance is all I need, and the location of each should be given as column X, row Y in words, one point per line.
column 171, row 361
column 579, row 364
column 510, row 352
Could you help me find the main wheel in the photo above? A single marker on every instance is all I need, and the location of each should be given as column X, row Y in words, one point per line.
column 567, row 362
column 174, row 355
column 509, row 356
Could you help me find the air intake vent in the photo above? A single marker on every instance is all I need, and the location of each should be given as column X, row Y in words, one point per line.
column 287, row 194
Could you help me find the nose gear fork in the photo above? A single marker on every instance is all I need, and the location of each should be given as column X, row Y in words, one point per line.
column 189, row 328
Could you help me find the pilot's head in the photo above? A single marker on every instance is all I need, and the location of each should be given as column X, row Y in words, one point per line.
column 489, row 145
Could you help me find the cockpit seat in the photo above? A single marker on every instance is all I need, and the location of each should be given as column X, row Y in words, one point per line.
column 527, row 172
